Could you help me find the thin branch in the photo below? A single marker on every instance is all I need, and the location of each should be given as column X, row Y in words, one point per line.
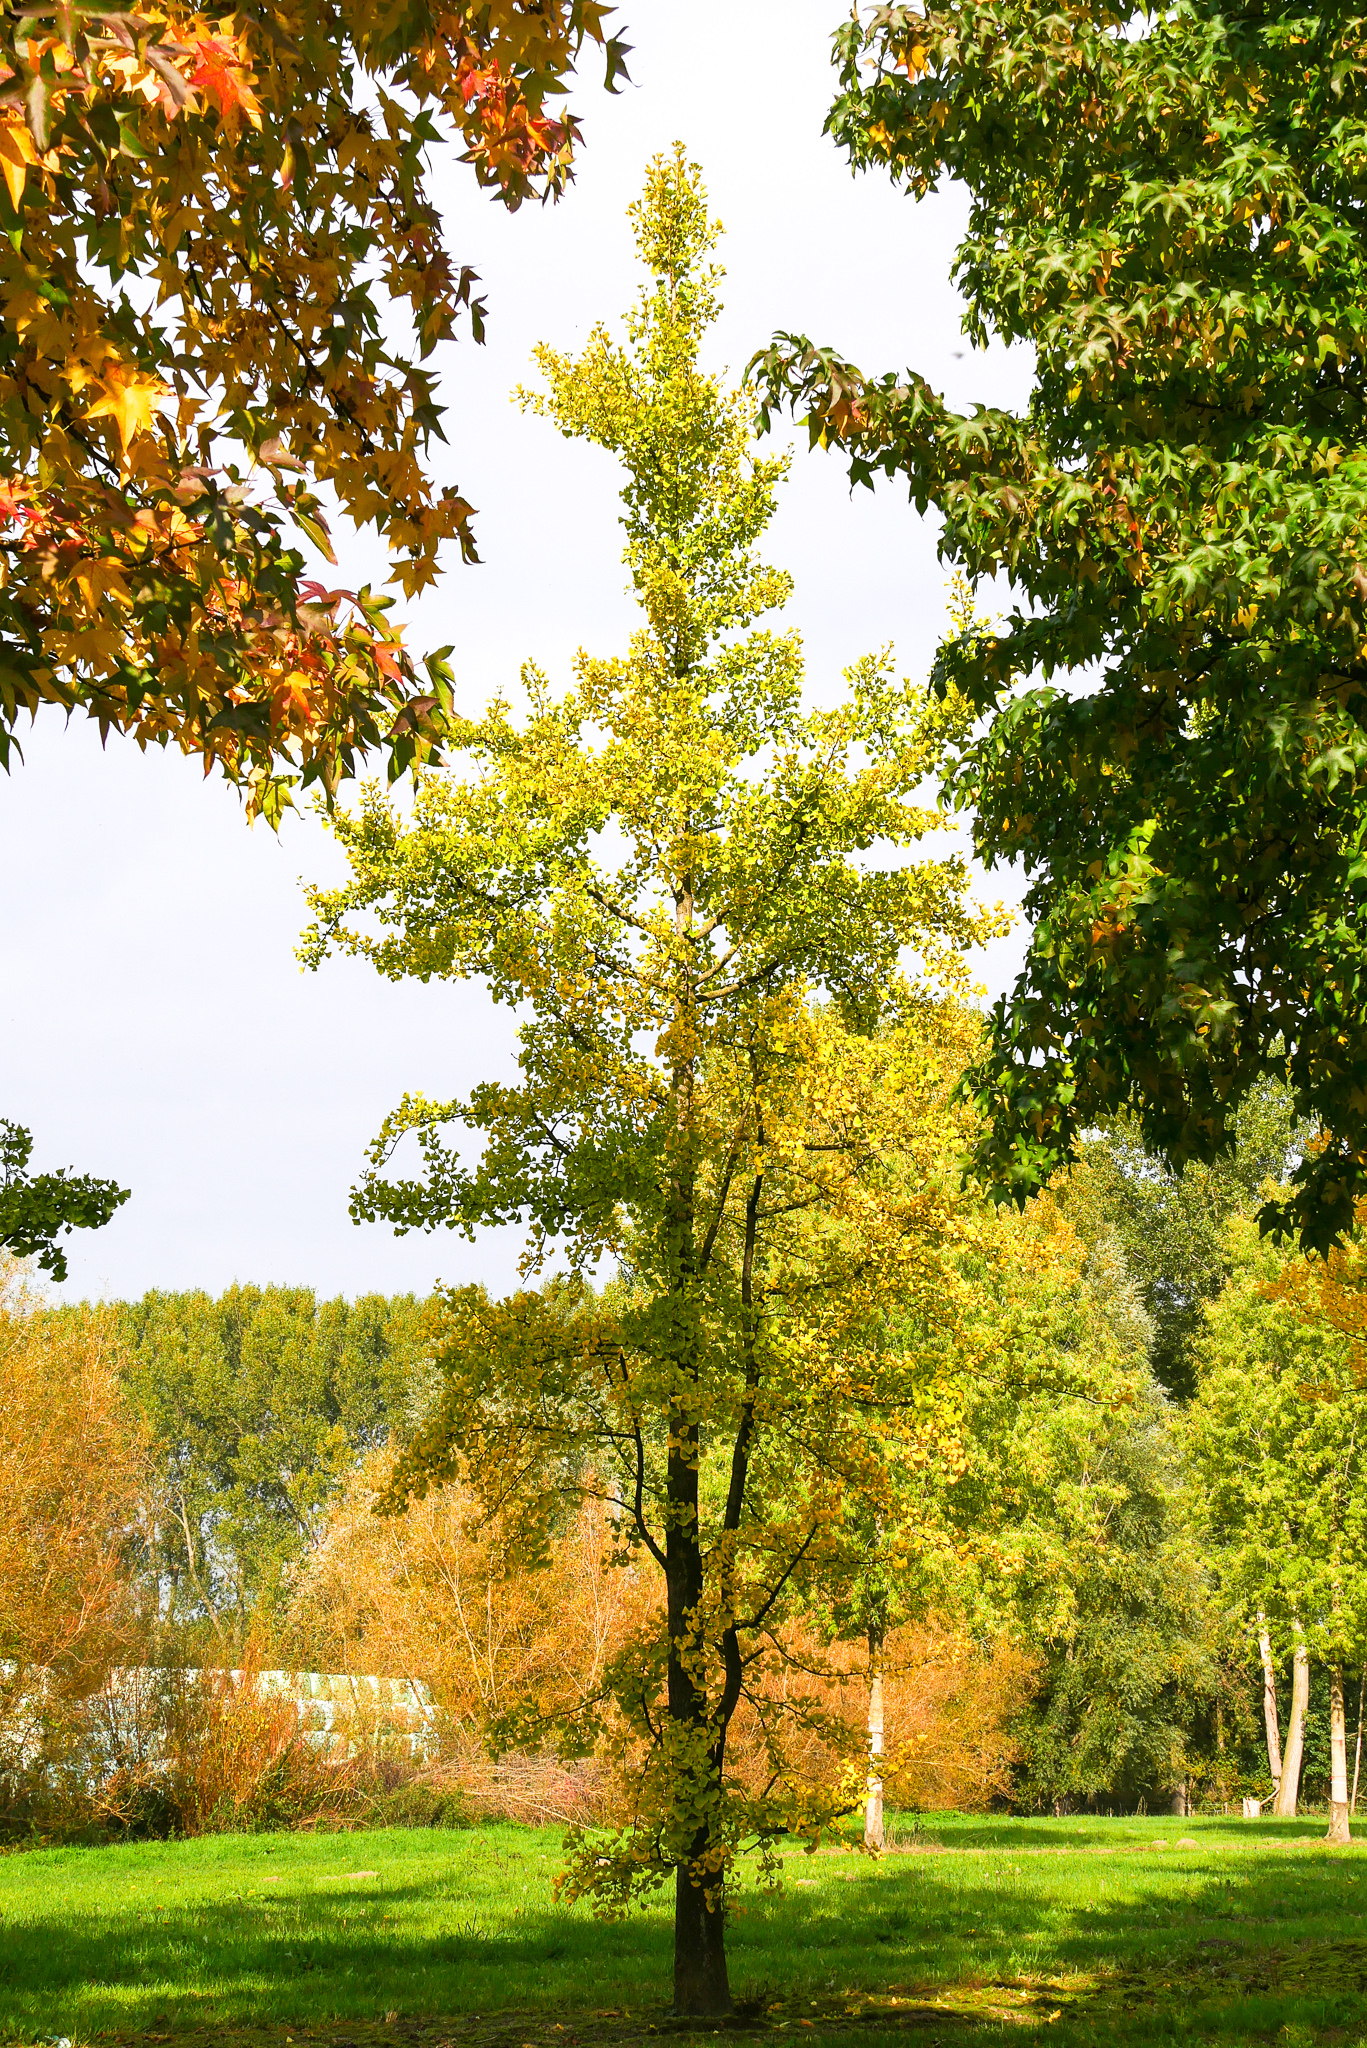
column 728, row 1173
column 638, row 1513
column 756, row 1620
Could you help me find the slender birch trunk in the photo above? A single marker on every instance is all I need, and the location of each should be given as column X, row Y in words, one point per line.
column 1274, row 1738
column 1338, row 1756
column 873, row 1799
column 1295, row 1733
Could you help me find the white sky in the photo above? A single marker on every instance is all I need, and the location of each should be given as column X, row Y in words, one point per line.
column 156, row 1024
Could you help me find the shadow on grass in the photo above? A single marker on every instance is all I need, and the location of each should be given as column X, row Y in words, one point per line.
column 305, row 1957
column 1093, row 1831
column 1109, row 1947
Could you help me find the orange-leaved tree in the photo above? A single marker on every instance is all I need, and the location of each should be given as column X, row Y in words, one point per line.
column 73, row 1479
column 220, row 266
column 441, row 1595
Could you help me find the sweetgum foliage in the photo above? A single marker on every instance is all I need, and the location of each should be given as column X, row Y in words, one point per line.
column 221, row 279
column 1168, row 208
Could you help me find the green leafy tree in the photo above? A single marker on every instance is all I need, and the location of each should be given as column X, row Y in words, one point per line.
column 1073, row 1520
column 258, row 1405
column 1167, row 209
column 1129, row 1644
column 697, row 894
column 39, row 1208
column 1170, row 1227
column 1278, row 1435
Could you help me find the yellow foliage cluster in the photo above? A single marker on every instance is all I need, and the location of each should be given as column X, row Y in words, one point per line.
column 948, row 1706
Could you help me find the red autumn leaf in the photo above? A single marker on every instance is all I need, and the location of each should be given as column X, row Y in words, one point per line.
column 219, row 75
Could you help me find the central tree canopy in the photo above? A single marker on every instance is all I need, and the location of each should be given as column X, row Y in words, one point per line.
column 698, row 892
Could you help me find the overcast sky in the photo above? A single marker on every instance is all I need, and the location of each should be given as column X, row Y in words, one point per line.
column 157, row 1025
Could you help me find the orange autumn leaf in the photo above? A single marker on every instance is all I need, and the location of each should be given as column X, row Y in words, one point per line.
column 219, row 74
column 291, row 700
column 255, row 267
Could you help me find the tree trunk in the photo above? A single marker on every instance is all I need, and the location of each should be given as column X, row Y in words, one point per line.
column 1274, row 1739
column 1357, row 1759
column 1338, row 1753
column 702, row 1989
column 1289, row 1788
column 873, row 1800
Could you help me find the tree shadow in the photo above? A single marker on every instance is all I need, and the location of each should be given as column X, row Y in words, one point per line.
column 1092, row 1831
column 299, row 1954
column 832, row 1949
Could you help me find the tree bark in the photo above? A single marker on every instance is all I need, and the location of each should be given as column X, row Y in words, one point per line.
column 1338, row 1754
column 702, row 1989
column 873, row 1799
column 1357, row 1759
column 701, row 1986
column 1289, row 1789
column 1274, row 1738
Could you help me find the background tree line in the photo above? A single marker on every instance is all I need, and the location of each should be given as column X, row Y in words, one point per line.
column 1092, row 1562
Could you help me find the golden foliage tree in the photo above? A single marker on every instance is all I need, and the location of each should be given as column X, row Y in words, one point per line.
column 700, row 895
column 441, row 1596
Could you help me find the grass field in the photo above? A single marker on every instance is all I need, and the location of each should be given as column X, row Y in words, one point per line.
column 1077, row 1931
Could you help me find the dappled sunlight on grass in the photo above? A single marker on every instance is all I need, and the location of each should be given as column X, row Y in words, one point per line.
column 1087, row 1920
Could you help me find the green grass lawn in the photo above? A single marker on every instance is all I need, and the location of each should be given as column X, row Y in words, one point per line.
column 1079, row 1931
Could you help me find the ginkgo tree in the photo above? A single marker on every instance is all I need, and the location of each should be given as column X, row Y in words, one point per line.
column 701, row 896
column 220, row 275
